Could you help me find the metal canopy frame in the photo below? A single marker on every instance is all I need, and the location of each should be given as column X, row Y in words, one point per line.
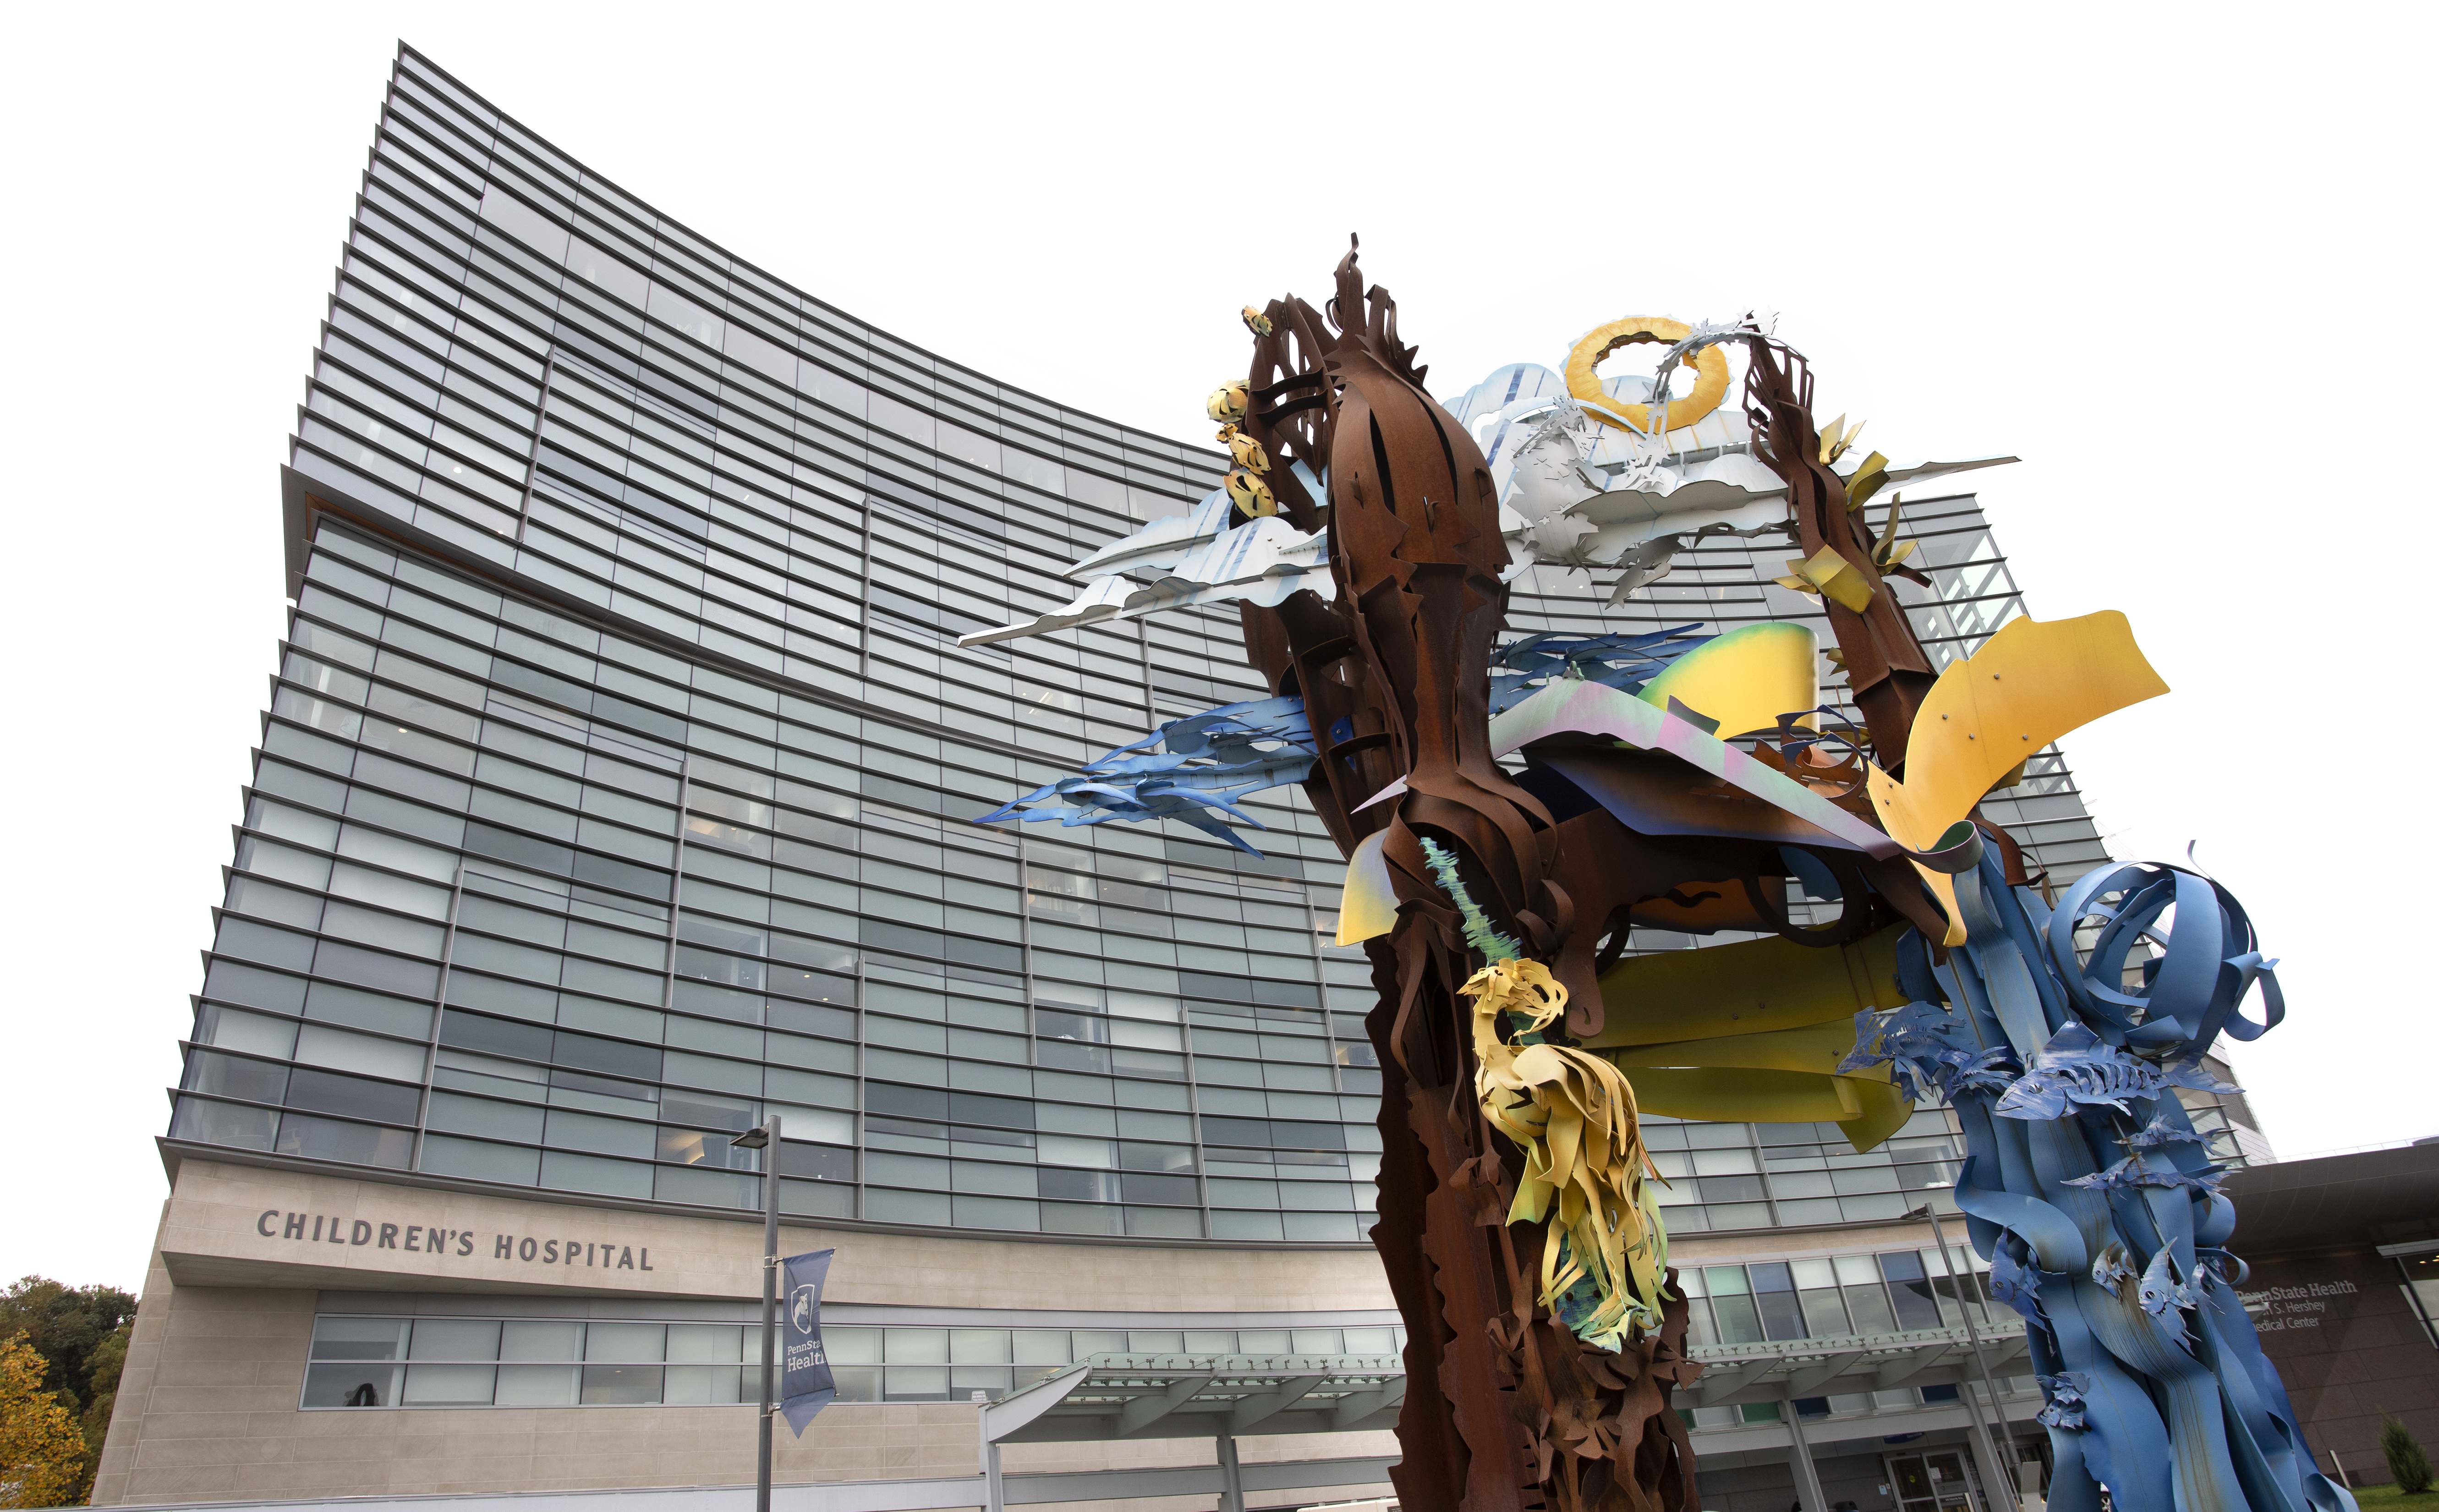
column 1109, row 1397
column 1860, row 1363
column 1120, row 1396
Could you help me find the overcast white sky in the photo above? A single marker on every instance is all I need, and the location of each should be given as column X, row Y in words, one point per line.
column 2176, row 257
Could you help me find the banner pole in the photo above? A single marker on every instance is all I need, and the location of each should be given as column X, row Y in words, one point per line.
column 770, row 1306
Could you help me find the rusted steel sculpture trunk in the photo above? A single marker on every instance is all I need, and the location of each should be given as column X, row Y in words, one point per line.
column 1884, row 658
column 1888, row 671
column 1505, row 1408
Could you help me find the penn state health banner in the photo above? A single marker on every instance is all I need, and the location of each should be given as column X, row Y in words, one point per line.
column 805, row 1383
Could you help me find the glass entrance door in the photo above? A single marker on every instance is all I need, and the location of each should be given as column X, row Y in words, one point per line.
column 1931, row 1481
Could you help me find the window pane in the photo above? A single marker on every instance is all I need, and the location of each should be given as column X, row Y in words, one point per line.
column 535, row 1385
column 1811, row 1273
column 1869, row 1308
column 1740, row 1323
column 542, row 1341
column 360, row 1338
column 621, row 1385
column 1824, row 1313
column 916, row 1346
column 1780, row 1317
column 455, row 1338
column 351, row 1385
column 448, row 1386
column 1911, row 1291
column 707, row 1343
column 978, row 1346
column 850, row 1346
column 1697, row 1321
column 704, row 1385
column 911, row 1382
column 623, row 1342
column 1034, row 1346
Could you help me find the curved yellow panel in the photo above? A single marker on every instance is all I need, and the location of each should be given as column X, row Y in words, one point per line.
column 1865, row 1110
column 1753, row 1032
column 1813, row 1047
column 1744, row 679
column 1710, row 374
column 1751, row 988
column 1885, row 1112
column 1369, row 907
column 1731, row 1095
column 2029, row 684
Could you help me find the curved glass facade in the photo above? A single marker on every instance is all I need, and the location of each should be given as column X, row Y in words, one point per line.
column 618, row 783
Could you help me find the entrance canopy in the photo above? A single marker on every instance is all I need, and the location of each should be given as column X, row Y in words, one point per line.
column 1855, row 1363
column 1116, row 1396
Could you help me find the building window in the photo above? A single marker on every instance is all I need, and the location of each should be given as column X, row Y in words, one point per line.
column 464, row 1362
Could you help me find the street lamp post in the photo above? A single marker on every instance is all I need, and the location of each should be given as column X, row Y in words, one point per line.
column 1981, row 1426
column 767, row 1140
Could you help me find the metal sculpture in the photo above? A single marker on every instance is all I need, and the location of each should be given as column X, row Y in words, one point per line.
column 1687, row 783
column 1506, row 1398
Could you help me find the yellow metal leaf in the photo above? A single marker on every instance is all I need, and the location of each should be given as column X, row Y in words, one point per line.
column 1866, row 480
column 1835, row 577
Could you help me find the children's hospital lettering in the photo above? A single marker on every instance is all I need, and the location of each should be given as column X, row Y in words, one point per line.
column 431, row 1238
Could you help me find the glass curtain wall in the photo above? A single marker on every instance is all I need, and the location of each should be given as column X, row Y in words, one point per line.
column 617, row 780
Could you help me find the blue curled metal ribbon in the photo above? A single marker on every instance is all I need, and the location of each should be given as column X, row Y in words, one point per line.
column 2094, row 1197
column 2055, row 1242
column 2192, row 991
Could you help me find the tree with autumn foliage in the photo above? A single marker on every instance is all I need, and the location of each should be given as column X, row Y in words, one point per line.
column 42, row 1451
column 80, row 1336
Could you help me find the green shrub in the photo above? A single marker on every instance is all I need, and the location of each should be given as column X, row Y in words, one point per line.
column 2406, row 1464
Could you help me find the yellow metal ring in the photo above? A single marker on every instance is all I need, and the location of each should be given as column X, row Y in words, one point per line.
column 1710, row 374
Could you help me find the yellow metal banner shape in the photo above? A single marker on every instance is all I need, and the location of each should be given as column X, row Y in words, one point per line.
column 2029, row 684
column 1752, row 1032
